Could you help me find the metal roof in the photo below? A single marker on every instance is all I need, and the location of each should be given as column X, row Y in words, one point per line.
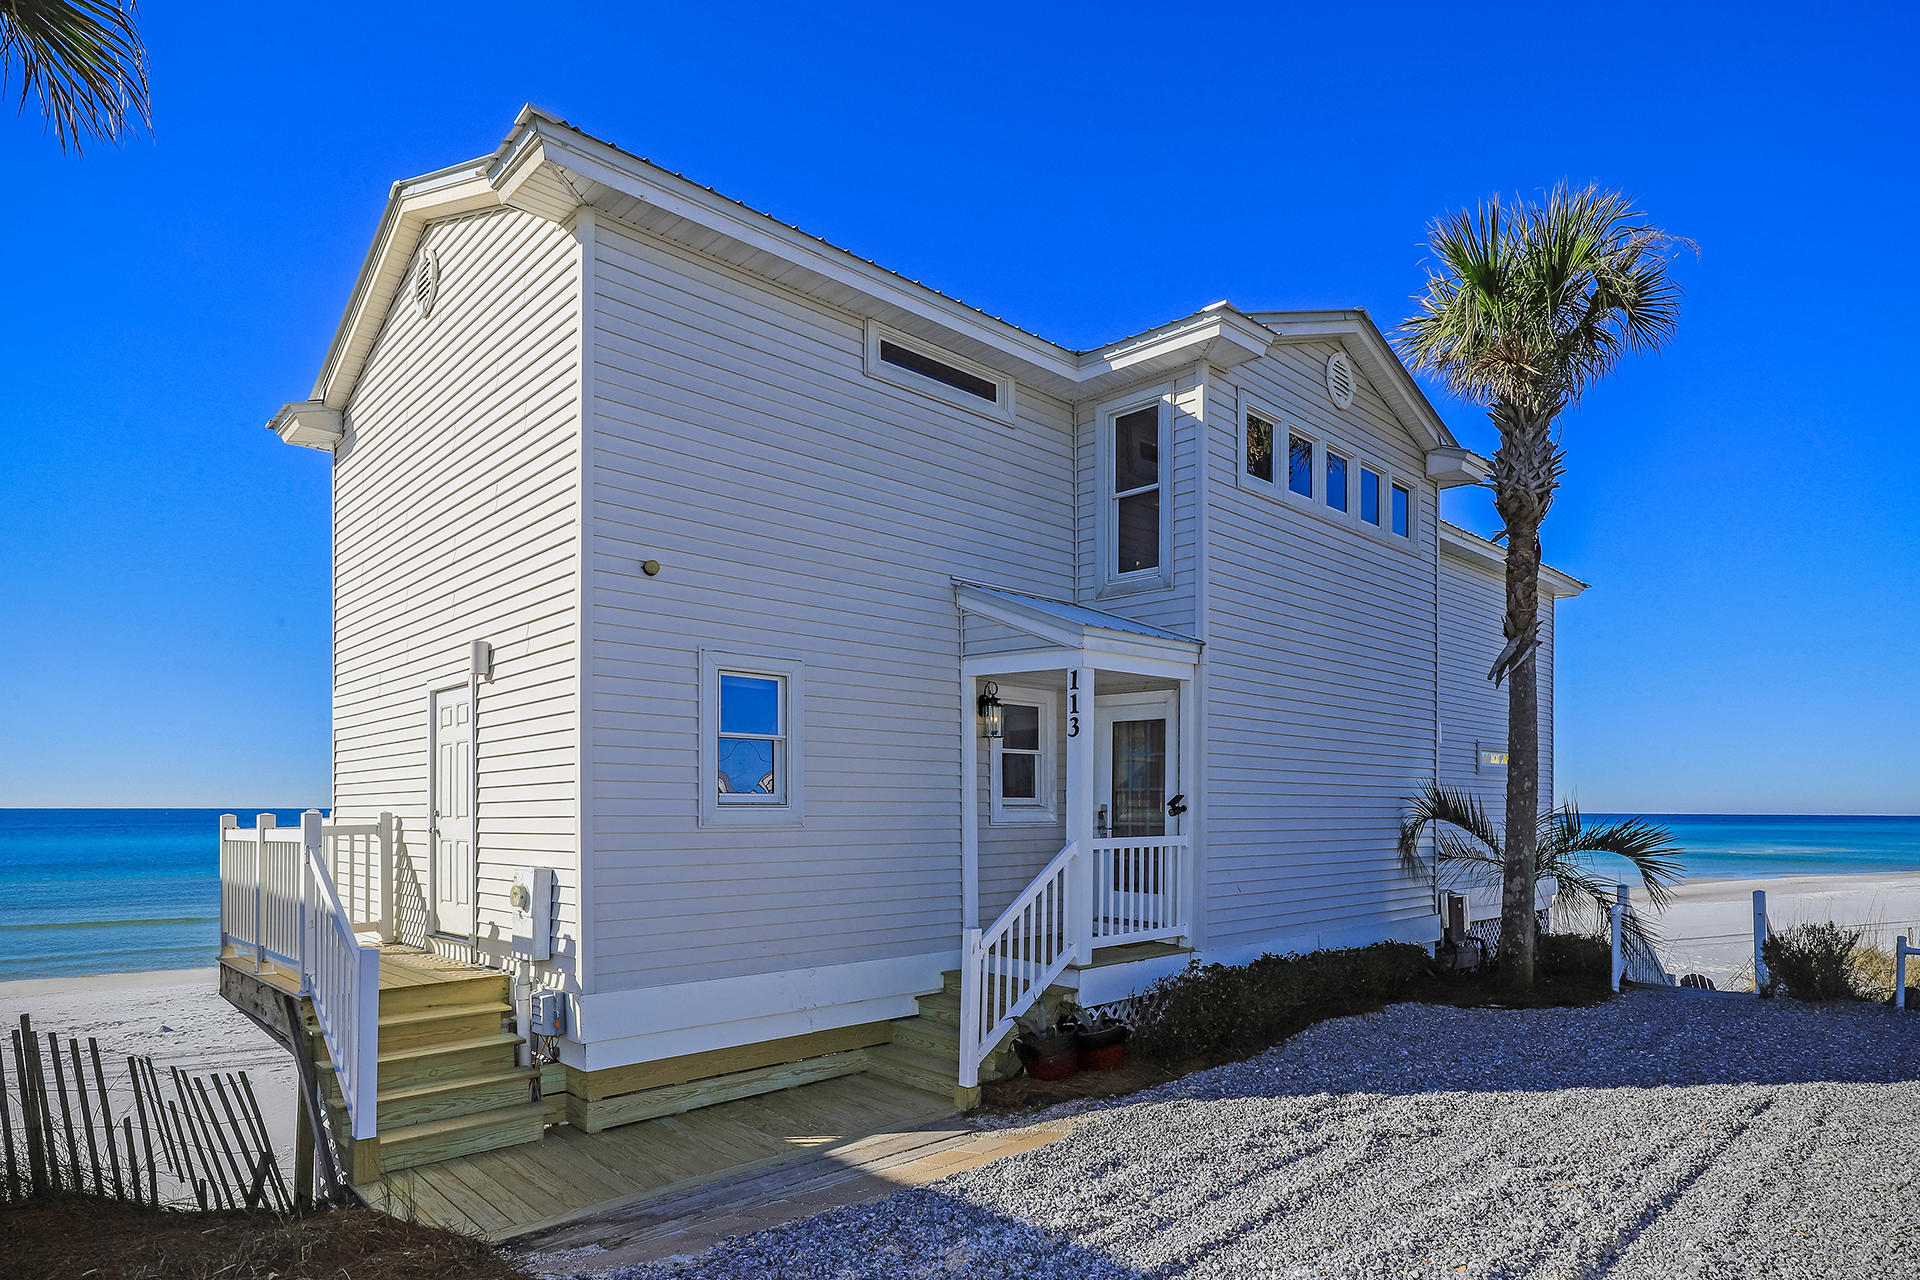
column 1074, row 614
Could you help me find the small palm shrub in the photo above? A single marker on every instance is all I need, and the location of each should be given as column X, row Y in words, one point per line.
column 1219, row 1012
column 1814, row 962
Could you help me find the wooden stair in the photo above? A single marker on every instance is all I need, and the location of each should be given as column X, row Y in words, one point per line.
column 450, row 1083
column 924, row 1052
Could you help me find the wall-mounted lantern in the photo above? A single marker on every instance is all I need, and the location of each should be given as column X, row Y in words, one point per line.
column 993, row 717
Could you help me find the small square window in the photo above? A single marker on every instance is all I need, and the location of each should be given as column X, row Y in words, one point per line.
column 1336, row 481
column 1402, row 502
column 1259, row 448
column 1370, row 495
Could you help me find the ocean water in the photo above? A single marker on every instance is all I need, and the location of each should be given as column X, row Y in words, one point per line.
column 115, row 890
column 110, row 890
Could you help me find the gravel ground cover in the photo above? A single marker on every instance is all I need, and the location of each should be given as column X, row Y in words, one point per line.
column 1657, row 1135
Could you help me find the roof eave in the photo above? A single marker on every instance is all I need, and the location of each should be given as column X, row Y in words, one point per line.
column 1482, row 553
column 1357, row 331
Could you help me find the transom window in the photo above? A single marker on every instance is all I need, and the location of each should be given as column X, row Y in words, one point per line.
column 1259, row 448
column 1133, row 531
column 922, row 367
column 753, row 738
column 1336, row 481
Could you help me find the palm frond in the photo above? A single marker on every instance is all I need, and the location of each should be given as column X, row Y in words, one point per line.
column 85, row 61
column 1464, row 832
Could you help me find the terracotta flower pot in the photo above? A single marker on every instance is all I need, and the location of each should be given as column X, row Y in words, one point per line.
column 1110, row 1058
column 1057, row 1067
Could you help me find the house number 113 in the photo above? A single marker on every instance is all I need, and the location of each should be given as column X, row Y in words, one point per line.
column 1073, row 704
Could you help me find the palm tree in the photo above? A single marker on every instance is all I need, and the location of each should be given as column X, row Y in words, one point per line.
column 1472, row 849
column 84, row 59
column 1522, row 312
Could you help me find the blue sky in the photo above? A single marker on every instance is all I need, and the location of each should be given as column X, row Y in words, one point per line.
column 1742, row 504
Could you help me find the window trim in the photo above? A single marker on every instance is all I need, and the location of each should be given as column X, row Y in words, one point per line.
column 1107, row 544
column 1248, row 412
column 1381, row 497
column 1044, row 810
column 790, row 809
column 1000, row 409
column 1281, row 490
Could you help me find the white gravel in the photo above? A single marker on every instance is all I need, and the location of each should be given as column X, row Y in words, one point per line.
column 1654, row 1136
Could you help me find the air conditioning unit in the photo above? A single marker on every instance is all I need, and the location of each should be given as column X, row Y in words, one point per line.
column 532, row 901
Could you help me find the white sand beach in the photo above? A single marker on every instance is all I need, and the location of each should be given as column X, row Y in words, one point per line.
column 175, row 1016
column 1709, row 927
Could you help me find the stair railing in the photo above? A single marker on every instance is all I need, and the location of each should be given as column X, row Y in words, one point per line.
column 1009, row 965
column 342, row 977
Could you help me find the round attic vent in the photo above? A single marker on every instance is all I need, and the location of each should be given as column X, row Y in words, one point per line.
column 1340, row 379
column 426, row 282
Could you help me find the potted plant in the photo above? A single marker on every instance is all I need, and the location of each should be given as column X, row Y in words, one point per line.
column 1101, row 1042
column 1047, row 1047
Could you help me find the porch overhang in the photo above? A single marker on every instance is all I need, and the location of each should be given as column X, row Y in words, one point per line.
column 1058, row 635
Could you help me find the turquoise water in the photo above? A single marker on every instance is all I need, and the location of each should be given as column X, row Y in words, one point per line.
column 112, row 890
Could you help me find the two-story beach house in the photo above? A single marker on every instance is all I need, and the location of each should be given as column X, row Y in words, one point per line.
column 753, row 667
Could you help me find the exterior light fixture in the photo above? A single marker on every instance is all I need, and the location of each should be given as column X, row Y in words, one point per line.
column 993, row 717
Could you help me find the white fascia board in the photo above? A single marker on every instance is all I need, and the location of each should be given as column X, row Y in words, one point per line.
column 1223, row 339
column 607, row 165
column 1451, row 467
column 413, row 204
column 1357, row 332
column 309, row 424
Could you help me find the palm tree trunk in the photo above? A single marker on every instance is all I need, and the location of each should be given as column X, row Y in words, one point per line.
column 1526, row 470
column 1517, row 924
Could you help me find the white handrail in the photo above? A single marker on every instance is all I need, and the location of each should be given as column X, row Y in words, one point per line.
column 1008, row 966
column 1619, row 913
column 279, row 902
column 342, row 977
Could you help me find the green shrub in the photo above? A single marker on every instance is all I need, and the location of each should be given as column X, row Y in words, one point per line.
column 1814, row 962
column 1220, row 1012
column 1577, row 956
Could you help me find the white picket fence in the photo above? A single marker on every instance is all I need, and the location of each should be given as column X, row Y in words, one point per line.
column 280, row 904
column 1113, row 893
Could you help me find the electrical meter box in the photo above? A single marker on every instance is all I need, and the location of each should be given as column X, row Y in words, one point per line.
column 532, row 901
column 547, row 1013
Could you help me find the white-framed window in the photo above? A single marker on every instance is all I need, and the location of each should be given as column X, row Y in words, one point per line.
column 1258, row 440
column 1373, row 484
column 1134, row 438
column 1402, row 512
column 1339, row 473
column 1023, row 779
column 1300, row 464
column 920, row 366
column 750, row 739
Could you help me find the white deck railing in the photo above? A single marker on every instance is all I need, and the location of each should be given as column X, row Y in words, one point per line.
column 279, row 903
column 1009, row 965
column 1115, row 892
column 1139, row 889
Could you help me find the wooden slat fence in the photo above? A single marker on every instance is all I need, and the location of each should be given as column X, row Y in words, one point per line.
column 206, row 1145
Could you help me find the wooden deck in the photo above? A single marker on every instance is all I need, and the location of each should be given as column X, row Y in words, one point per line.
column 400, row 966
column 569, row 1174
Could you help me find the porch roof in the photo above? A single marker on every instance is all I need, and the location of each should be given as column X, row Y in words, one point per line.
column 1059, row 627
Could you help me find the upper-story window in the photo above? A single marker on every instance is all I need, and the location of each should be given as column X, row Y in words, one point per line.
column 1134, row 442
column 1259, row 448
column 1300, row 464
column 1336, row 481
column 920, row 366
column 1369, row 495
column 1402, row 509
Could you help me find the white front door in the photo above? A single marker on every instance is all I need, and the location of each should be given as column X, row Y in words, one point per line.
column 1137, row 773
column 450, row 816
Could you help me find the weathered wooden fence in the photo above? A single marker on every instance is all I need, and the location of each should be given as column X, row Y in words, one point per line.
column 207, row 1144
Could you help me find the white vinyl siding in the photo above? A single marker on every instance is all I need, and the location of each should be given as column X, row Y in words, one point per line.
column 801, row 508
column 455, row 520
column 1320, row 695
